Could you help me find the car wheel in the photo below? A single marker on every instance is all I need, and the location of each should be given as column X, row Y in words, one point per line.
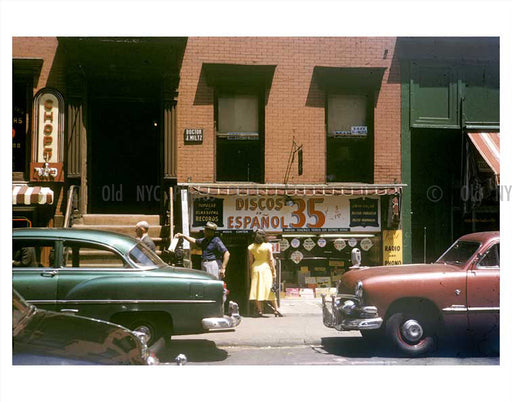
column 411, row 334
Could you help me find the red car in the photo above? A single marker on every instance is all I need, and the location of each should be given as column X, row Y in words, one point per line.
column 411, row 306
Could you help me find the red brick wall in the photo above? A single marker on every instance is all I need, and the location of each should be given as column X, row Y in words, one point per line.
column 41, row 48
column 294, row 107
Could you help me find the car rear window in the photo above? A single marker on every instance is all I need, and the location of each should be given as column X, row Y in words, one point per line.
column 141, row 255
column 459, row 253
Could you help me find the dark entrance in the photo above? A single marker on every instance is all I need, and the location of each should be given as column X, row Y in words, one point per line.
column 237, row 275
column 124, row 149
column 435, row 192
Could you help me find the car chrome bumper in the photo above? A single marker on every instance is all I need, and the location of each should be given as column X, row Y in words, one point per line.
column 359, row 318
column 230, row 321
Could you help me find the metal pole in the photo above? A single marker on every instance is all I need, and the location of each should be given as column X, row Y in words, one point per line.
column 424, row 245
column 171, row 213
column 278, row 295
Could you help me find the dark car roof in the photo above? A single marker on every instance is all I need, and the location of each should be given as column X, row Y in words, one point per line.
column 119, row 241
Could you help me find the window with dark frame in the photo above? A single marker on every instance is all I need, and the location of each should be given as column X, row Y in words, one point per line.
column 20, row 113
column 239, row 117
column 349, row 121
column 88, row 255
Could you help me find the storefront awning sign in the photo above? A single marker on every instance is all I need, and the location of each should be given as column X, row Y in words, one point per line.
column 275, row 213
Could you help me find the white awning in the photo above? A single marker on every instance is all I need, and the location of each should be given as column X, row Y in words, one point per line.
column 488, row 144
column 26, row 195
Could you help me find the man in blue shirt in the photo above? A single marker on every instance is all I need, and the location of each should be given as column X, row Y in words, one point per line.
column 215, row 255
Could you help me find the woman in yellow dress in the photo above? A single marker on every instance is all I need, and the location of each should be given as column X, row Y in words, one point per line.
column 263, row 273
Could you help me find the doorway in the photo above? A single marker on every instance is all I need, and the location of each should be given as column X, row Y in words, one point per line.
column 237, row 273
column 124, row 149
column 435, row 192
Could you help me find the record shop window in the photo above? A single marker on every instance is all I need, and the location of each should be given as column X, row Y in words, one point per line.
column 349, row 120
column 239, row 136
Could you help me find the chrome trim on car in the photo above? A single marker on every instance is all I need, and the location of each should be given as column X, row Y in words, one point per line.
column 346, row 314
column 362, row 323
column 464, row 309
column 91, row 301
column 232, row 320
column 455, row 309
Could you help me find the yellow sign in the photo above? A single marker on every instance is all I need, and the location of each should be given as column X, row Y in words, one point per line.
column 392, row 247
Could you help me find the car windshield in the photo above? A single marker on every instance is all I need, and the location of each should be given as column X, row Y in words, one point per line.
column 143, row 256
column 459, row 253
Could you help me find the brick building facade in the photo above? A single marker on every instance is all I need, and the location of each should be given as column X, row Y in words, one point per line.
column 295, row 105
column 296, row 135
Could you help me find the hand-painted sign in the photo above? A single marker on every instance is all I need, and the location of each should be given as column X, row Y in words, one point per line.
column 208, row 210
column 392, row 247
column 364, row 212
column 194, row 135
column 48, row 136
column 306, row 214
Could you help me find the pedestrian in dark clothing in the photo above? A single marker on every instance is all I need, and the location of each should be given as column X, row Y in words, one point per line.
column 215, row 255
column 142, row 229
column 25, row 257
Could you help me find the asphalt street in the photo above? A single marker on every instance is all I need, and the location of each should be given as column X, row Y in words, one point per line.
column 300, row 338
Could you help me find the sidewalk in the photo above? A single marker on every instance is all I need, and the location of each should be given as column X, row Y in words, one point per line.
column 301, row 325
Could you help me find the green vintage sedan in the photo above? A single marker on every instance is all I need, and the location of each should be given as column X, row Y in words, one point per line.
column 116, row 278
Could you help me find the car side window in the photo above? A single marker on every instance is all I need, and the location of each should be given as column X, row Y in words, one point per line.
column 33, row 253
column 78, row 254
column 491, row 259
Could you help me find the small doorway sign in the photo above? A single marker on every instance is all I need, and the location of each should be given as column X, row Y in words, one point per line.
column 193, row 136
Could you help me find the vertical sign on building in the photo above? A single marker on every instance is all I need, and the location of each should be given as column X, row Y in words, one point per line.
column 392, row 247
column 48, row 137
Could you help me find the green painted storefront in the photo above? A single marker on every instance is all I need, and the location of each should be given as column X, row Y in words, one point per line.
column 449, row 87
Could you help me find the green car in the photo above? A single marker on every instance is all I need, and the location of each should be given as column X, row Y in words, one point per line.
column 116, row 278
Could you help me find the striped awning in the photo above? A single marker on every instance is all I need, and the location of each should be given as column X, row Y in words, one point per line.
column 488, row 144
column 292, row 190
column 26, row 195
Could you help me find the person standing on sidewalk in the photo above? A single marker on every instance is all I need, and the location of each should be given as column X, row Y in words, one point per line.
column 263, row 273
column 141, row 230
column 215, row 255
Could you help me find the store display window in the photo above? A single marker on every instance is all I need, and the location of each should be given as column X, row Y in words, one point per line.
column 317, row 262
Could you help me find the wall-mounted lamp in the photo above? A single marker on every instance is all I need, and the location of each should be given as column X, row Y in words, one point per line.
column 289, row 201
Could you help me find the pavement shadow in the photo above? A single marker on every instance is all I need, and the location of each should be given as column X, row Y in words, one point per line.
column 196, row 350
column 358, row 347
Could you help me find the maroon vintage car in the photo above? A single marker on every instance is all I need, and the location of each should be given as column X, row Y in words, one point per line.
column 412, row 305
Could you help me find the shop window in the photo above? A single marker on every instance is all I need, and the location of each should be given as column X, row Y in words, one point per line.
column 25, row 72
column 20, row 143
column 349, row 119
column 239, row 137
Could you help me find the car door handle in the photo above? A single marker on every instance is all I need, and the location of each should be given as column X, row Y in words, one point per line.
column 49, row 274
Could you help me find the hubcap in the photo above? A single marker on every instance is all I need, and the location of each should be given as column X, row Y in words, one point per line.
column 412, row 331
column 144, row 329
